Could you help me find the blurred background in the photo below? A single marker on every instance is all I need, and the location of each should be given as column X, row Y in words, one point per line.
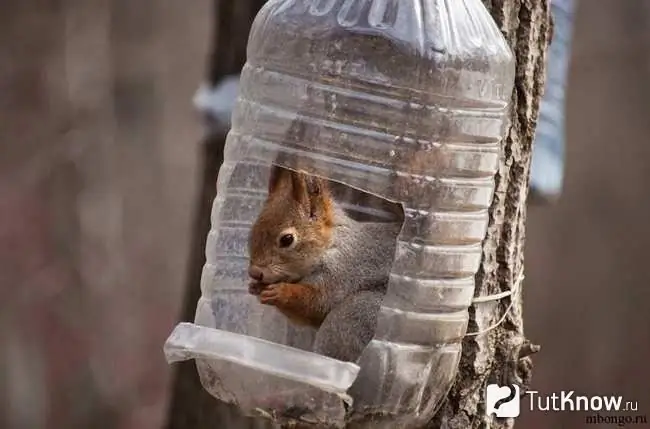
column 98, row 166
column 100, row 152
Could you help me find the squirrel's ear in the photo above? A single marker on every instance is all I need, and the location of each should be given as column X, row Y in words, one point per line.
column 277, row 177
column 319, row 198
column 299, row 187
column 309, row 191
column 314, row 186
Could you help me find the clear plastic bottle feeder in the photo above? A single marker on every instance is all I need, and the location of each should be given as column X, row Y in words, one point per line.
column 403, row 100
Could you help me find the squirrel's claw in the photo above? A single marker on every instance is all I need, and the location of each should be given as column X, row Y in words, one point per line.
column 272, row 294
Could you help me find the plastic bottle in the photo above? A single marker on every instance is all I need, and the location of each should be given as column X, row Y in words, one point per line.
column 403, row 99
column 547, row 168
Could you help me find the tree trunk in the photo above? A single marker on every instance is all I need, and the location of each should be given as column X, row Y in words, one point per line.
column 500, row 355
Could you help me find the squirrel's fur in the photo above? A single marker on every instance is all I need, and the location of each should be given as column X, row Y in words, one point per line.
column 333, row 275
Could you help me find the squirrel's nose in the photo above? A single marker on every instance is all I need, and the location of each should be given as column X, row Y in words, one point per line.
column 255, row 273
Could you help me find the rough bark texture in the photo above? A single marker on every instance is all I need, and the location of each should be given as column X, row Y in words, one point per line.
column 501, row 355
column 496, row 356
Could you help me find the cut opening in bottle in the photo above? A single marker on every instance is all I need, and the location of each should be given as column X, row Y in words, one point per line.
column 260, row 339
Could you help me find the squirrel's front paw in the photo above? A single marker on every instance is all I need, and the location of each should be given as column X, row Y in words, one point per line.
column 279, row 294
column 295, row 300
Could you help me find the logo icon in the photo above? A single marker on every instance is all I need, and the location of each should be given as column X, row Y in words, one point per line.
column 503, row 401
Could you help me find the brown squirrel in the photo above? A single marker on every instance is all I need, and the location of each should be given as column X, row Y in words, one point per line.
column 318, row 266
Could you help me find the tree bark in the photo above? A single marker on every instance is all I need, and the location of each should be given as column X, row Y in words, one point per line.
column 502, row 354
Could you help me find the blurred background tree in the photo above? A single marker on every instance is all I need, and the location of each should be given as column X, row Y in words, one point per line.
column 98, row 153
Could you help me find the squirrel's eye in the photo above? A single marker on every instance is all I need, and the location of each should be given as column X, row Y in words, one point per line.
column 286, row 240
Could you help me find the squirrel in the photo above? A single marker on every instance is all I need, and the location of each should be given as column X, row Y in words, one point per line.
column 317, row 265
